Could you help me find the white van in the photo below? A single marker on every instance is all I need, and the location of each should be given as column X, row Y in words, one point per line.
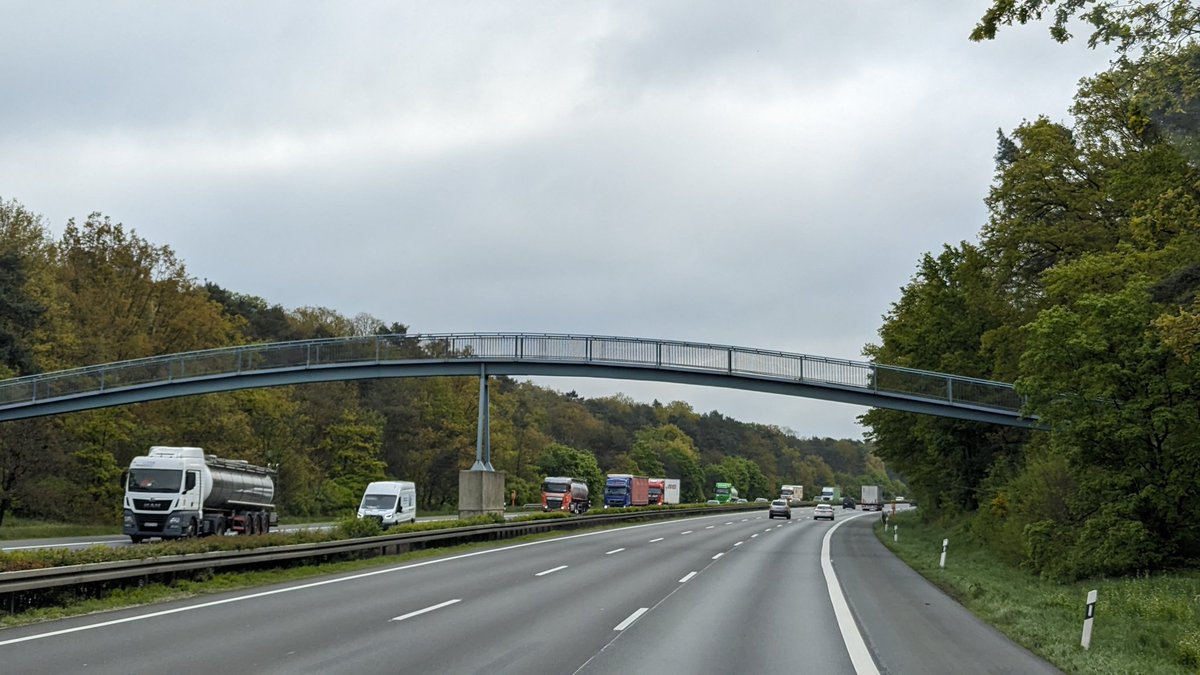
column 391, row 502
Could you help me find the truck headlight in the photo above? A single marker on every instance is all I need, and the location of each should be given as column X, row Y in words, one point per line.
column 173, row 520
column 128, row 518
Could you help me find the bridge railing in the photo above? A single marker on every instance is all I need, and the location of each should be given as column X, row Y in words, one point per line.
column 509, row 347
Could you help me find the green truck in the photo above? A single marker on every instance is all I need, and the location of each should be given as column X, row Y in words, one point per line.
column 726, row 493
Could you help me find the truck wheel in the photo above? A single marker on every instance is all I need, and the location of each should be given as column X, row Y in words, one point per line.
column 219, row 528
column 190, row 532
column 266, row 524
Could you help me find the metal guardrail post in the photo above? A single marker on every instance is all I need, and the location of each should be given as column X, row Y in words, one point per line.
column 949, row 389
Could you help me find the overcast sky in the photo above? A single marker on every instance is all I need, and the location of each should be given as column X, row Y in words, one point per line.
column 760, row 174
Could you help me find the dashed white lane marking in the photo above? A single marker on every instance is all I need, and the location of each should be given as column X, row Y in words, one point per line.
column 729, row 523
column 427, row 609
column 718, row 555
column 615, row 550
column 316, row 584
column 552, row 570
column 654, row 540
column 739, row 543
column 687, row 576
column 710, row 527
column 631, row 618
column 754, row 535
column 688, row 532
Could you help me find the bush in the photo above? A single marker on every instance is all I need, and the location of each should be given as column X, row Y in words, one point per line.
column 353, row 527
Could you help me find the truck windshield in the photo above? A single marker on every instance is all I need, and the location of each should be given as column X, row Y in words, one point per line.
column 722, row 490
column 379, row 501
column 155, row 480
column 558, row 488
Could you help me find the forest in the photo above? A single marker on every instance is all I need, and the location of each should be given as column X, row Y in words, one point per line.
column 1083, row 288
column 101, row 293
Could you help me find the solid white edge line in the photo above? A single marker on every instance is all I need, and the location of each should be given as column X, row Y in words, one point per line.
column 631, row 618
column 314, row 584
column 615, row 550
column 687, row 576
column 860, row 656
column 427, row 609
column 551, row 571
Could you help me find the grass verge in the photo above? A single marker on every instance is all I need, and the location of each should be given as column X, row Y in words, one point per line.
column 1144, row 625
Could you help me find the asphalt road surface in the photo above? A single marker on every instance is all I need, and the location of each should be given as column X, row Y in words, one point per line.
column 726, row 593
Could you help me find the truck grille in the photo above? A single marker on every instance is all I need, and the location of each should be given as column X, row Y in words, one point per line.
column 554, row 504
column 150, row 523
column 152, row 504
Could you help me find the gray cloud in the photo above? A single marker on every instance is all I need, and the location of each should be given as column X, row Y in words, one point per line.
column 763, row 175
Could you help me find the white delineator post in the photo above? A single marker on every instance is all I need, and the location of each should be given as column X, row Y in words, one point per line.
column 945, row 543
column 1088, row 616
column 895, row 533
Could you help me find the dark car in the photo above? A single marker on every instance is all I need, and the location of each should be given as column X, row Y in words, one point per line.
column 780, row 507
column 848, row 503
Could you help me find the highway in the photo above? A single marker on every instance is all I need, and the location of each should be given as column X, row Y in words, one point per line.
column 720, row 593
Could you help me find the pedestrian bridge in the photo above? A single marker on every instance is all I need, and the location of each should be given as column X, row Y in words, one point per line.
column 485, row 354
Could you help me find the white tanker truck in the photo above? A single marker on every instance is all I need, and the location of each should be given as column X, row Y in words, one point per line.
column 175, row 493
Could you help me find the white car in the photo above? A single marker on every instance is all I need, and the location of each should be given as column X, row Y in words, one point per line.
column 823, row 511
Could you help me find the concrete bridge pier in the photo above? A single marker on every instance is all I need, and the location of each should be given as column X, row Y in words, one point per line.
column 481, row 488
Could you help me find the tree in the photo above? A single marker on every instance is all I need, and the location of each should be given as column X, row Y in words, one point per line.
column 351, row 456
column 562, row 460
column 1148, row 25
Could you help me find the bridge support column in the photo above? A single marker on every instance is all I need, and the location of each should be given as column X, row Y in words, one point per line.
column 483, row 434
column 480, row 492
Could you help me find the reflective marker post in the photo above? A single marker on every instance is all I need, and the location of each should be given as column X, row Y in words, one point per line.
column 945, row 543
column 1088, row 616
column 895, row 533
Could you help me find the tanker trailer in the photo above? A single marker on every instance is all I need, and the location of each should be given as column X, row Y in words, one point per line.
column 175, row 493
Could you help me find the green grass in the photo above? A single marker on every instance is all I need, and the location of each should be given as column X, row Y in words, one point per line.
column 1145, row 625
column 20, row 528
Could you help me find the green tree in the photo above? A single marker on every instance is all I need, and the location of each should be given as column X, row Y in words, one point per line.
column 351, row 455
column 562, row 460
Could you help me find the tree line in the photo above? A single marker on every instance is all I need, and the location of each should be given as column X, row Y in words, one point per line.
column 100, row 293
column 1084, row 289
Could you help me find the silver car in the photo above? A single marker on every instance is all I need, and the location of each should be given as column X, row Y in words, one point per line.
column 780, row 507
column 823, row 511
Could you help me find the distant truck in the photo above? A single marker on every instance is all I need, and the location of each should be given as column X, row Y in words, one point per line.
column 565, row 494
column 831, row 494
column 725, row 493
column 622, row 489
column 658, row 488
column 177, row 493
column 391, row 502
column 793, row 494
column 671, row 491
column 872, row 498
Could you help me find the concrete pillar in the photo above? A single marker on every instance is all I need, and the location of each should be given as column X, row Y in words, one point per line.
column 480, row 492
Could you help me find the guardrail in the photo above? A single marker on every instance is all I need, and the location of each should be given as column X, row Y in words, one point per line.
column 25, row 589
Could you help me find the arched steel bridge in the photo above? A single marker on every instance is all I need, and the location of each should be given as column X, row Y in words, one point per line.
column 476, row 354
